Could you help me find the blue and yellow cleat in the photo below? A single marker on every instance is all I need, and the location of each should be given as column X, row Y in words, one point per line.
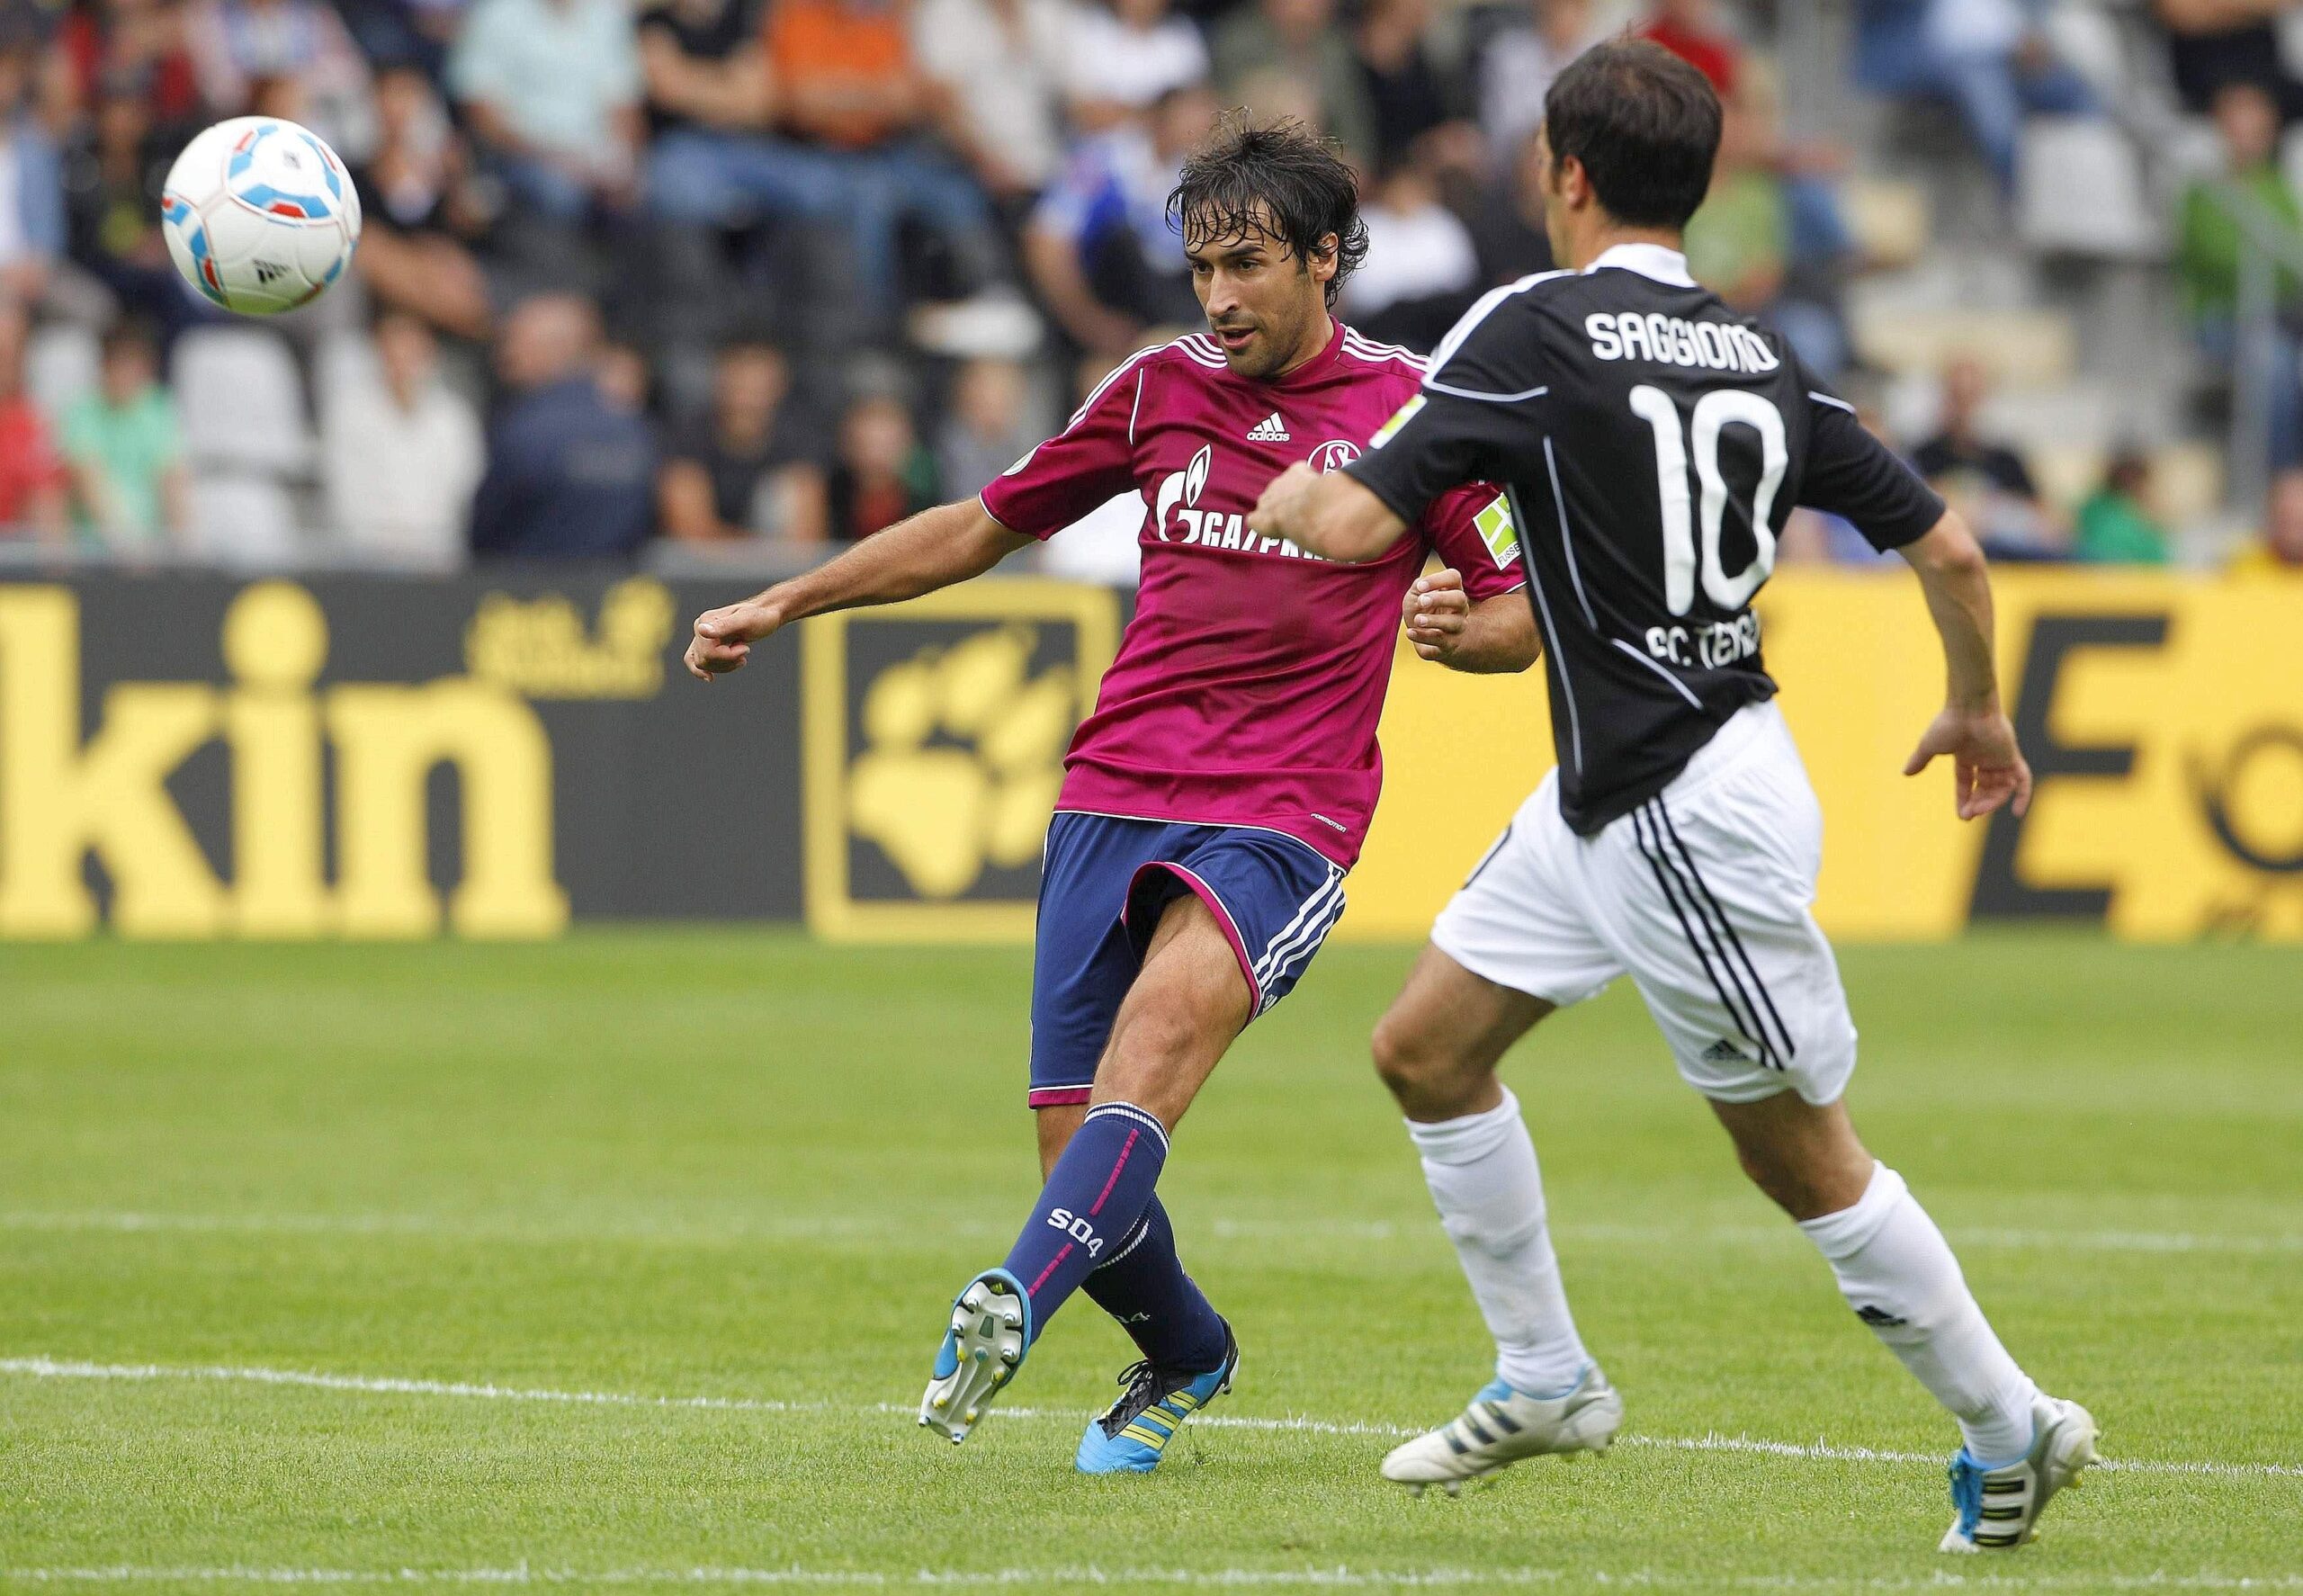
column 1996, row 1508
column 991, row 1331
column 1134, row 1435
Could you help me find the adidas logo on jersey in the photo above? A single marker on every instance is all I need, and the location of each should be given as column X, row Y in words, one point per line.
column 1271, row 429
column 1724, row 1051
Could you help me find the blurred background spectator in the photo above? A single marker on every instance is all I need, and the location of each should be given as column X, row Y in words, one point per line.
column 881, row 473
column 2278, row 552
column 2116, row 525
column 747, row 468
column 32, row 479
column 1125, row 55
column 401, row 452
column 131, row 491
column 570, row 472
column 1981, row 476
column 840, row 255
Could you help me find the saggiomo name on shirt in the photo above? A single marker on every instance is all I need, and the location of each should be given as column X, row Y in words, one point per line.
column 1674, row 340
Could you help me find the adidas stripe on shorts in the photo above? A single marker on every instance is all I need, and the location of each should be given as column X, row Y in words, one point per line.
column 1701, row 895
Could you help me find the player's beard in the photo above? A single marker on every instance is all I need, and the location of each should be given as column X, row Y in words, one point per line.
column 1268, row 352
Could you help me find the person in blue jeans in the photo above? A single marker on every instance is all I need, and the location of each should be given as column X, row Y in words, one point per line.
column 1988, row 59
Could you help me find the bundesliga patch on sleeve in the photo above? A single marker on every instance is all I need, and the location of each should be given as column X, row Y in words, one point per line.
column 1496, row 528
column 1401, row 418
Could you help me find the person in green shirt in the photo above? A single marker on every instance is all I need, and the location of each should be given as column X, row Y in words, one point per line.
column 2208, row 248
column 2116, row 526
column 129, row 489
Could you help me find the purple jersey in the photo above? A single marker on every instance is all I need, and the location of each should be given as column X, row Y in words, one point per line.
column 1249, row 684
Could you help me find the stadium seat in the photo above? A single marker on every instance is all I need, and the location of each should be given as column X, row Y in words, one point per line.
column 61, row 363
column 1889, row 219
column 2024, row 349
column 345, row 363
column 2080, row 190
column 242, row 520
column 242, row 401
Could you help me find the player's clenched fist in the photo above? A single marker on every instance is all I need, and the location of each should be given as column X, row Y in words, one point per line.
column 1434, row 612
column 724, row 638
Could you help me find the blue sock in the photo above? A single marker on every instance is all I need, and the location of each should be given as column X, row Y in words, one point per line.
column 1145, row 1289
column 1093, row 1197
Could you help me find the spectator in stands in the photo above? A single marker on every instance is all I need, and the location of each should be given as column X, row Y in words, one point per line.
column 1519, row 63
column 844, row 71
column 32, row 479
column 113, row 173
column 131, row 492
column 2116, row 525
column 1508, row 223
column 1413, row 101
column 1690, row 30
column 2280, row 551
column 1422, row 269
column 31, row 186
column 2214, row 42
column 1742, row 243
column 236, row 44
column 401, row 452
column 749, row 469
column 989, row 428
column 133, row 48
column 996, row 73
column 551, row 90
column 1099, row 247
column 1125, row 55
column 1988, row 59
column 1986, row 479
column 2209, row 249
column 711, row 102
column 1297, row 39
column 570, row 473
column 881, row 474
column 423, row 214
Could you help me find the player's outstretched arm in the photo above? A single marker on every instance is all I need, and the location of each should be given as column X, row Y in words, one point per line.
column 1326, row 512
column 932, row 550
column 1491, row 636
column 1972, row 729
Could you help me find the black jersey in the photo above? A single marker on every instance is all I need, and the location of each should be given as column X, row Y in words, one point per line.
column 1654, row 442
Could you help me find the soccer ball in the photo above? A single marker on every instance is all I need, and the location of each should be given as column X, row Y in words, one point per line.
column 260, row 215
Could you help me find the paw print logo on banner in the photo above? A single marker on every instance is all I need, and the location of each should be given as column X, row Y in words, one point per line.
column 962, row 758
column 934, row 734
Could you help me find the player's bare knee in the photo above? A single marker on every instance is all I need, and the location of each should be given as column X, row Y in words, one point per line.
column 1429, row 1078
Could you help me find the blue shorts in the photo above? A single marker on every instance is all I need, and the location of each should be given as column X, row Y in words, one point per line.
column 1105, row 884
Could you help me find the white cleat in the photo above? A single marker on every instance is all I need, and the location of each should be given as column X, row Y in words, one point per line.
column 990, row 1333
column 1502, row 1426
column 1997, row 1509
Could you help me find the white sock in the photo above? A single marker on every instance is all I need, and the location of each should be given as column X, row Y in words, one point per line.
column 1897, row 1272
column 1483, row 1175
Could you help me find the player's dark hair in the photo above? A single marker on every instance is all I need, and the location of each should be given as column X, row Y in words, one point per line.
column 1646, row 125
column 1279, row 179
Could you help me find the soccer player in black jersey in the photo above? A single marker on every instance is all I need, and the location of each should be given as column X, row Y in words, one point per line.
column 1654, row 442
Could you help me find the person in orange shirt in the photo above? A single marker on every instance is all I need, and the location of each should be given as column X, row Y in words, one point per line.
column 849, row 86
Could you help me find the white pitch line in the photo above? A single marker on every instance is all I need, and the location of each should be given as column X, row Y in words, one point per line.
column 1221, row 1230
column 1342, row 1576
column 50, row 1368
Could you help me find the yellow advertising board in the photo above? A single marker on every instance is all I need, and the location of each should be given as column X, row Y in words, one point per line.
column 2162, row 717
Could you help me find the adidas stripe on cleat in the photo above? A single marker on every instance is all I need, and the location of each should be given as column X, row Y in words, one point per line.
column 1502, row 1426
column 991, row 1331
column 1998, row 1509
column 1133, row 1435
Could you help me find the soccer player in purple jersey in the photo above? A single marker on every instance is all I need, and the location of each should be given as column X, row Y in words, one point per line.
column 1214, row 799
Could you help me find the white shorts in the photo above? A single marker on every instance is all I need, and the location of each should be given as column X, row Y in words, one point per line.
column 1700, row 895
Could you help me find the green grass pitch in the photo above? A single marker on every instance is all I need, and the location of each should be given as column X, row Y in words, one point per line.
column 619, row 1262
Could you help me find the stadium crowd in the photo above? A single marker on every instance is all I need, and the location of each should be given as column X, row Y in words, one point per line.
column 724, row 271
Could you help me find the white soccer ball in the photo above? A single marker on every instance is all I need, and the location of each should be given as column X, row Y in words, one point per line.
column 260, row 215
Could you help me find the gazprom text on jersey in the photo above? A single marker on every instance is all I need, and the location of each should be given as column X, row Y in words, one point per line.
column 1718, row 346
